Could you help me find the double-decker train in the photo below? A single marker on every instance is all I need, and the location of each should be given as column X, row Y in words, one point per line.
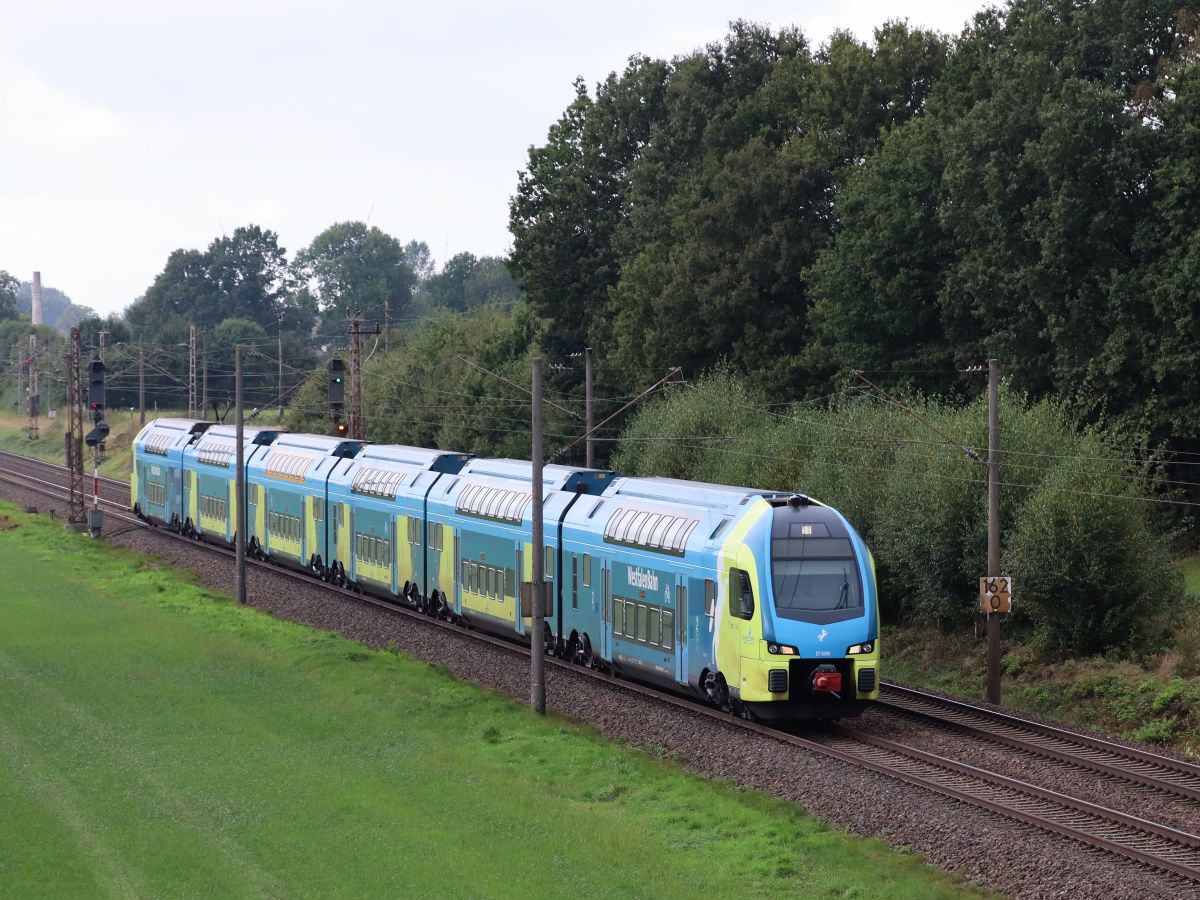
column 763, row 602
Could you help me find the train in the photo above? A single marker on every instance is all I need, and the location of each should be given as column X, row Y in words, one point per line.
column 761, row 602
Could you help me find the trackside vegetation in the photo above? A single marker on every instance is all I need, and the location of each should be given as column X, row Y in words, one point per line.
column 155, row 739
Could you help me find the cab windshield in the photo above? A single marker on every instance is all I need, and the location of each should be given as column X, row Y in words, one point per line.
column 815, row 575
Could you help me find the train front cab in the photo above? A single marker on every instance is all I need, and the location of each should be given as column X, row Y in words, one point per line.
column 800, row 634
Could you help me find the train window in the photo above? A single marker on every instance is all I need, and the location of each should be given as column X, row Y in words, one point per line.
column 656, row 535
column 549, row 563
column 318, row 508
column 617, row 521
column 741, row 594
column 630, row 531
column 668, row 537
column 510, row 583
column 682, row 539
column 655, row 636
column 643, row 535
column 493, row 591
column 587, row 570
column 643, row 622
column 466, row 567
column 619, row 619
column 668, row 628
column 710, row 596
column 574, row 581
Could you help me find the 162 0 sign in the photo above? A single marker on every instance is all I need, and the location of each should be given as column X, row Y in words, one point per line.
column 995, row 594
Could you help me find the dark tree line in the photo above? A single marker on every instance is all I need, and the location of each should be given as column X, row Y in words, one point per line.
column 913, row 204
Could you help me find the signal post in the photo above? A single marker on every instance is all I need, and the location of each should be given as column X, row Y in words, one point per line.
column 95, row 439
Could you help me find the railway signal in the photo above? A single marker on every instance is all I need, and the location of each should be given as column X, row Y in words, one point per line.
column 337, row 384
column 337, row 396
column 96, row 389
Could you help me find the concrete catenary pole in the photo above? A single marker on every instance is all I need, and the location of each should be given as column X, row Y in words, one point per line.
column 537, row 646
column 36, row 291
column 240, row 486
column 141, row 383
column 993, row 619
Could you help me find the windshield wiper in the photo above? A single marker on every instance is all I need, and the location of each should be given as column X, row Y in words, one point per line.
column 844, row 597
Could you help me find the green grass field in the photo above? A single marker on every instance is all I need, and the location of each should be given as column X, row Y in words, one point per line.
column 155, row 739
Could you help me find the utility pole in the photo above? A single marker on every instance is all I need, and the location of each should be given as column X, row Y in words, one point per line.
column 387, row 325
column 537, row 643
column 191, row 371
column 357, row 431
column 141, row 383
column 204, row 381
column 240, row 485
column 281, row 368
column 32, row 424
column 74, row 435
column 993, row 466
column 587, row 401
column 22, row 371
column 358, row 422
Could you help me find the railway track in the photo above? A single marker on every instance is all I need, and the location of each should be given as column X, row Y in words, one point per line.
column 1138, row 841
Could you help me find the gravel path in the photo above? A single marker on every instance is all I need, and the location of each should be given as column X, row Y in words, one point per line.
column 984, row 849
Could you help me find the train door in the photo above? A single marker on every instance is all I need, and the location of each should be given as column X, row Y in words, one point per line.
column 681, row 620
column 193, row 500
column 606, row 614
column 176, row 482
column 733, row 625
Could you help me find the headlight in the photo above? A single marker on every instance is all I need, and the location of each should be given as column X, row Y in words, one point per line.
column 864, row 647
column 781, row 649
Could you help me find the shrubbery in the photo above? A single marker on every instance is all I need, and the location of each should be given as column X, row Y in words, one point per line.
column 1090, row 573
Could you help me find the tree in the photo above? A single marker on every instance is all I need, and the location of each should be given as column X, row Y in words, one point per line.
column 9, row 286
column 419, row 259
column 350, row 267
column 250, row 278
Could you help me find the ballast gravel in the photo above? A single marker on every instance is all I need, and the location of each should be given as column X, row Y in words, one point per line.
column 984, row 849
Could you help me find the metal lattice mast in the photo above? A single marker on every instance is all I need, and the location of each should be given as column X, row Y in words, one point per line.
column 74, row 436
column 191, row 371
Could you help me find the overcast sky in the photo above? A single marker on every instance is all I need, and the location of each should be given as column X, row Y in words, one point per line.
column 131, row 128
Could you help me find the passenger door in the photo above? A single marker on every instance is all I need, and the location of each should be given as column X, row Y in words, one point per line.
column 680, row 638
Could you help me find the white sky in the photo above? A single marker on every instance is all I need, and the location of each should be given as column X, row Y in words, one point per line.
column 130, row 128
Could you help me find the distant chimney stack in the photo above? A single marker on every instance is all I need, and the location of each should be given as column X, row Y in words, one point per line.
column 37, row 298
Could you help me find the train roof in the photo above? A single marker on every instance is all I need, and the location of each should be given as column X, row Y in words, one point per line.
column 433, row 460
column 163, row 435
column 316, row 445
column 250, row 435
column 689, row 493
column 554, row 477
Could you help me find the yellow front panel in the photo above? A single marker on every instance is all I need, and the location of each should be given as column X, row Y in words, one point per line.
column 193, row 498
column 259, row 525
column 133, row 481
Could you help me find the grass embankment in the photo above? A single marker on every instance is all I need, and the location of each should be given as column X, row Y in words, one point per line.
column 118, row 461
column 155, row 739
column 1156, row 699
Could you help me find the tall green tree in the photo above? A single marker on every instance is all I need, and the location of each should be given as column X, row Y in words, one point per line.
column 9, row 285
column 352, row 267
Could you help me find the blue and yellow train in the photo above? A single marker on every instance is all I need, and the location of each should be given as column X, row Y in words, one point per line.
column 763, row 602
